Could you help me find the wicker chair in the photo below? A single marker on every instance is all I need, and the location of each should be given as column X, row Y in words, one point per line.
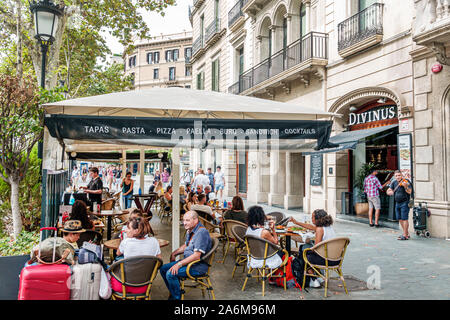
column 211, row 228
column 116, row 196
column 228, row 236
column 238, row 233
column 108, row 204
column 166, row 210
column 135, row 272
column 202, row 281
column 261, row 249
column 330, row 250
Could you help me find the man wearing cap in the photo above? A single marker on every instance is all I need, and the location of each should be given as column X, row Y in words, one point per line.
column 198, row 243
column 71, row 232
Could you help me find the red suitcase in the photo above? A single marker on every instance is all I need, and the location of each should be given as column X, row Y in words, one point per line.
column 45, row 281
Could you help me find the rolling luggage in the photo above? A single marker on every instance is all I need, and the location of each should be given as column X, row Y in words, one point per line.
column 86, row 281
column 50, row 281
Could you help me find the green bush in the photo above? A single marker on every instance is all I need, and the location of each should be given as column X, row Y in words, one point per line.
column 23, row 245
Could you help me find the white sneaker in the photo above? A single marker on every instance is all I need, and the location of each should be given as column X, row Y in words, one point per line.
column 320, row 280
column 314, row 283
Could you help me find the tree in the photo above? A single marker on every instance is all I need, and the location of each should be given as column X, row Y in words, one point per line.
column 20, row 129
column 122, row 18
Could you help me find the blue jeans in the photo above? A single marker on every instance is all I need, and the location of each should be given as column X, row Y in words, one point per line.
column 127, row 201
column 172, row 281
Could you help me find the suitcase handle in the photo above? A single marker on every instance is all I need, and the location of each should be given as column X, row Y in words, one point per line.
column 49, row 228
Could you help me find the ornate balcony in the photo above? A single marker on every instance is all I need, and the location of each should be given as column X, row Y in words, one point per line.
column 302, row 59
column 361, row 31
column 197, row 47
column 252, row 7
column 212, row 33
column 432, row 27
column 236, row 16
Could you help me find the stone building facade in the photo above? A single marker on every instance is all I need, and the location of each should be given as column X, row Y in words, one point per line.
column 347, row 57
column 162, row 61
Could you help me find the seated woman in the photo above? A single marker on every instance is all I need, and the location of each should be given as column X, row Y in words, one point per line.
column 137, row 243
column 237, row 211
column 255, row 222
column 159, row 188
column 324, row 231
column 191, row 200
column 79, row 212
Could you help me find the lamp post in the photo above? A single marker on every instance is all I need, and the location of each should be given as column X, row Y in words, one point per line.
column 46, row 17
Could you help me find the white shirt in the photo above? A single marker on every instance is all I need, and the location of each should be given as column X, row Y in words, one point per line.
column 201, row 179
column 328, row 233
column 219, row 178
column 131, row 247
column 272, row 262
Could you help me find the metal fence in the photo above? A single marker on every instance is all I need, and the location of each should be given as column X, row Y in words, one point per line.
column 312, row 45
column 235, row 13
column 54, row 183
column 360, row 26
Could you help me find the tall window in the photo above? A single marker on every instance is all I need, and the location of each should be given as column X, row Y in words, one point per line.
column 169, row 55
column 215, row 75
column 156, row 57
column 302, row 21
column 150, row 58
column 188, row 71
column 201, row 80
column 187, row 52
column 155, row 73
column 202, row 27
column 175, row 54
column 241, row 60
column 216, row 12
column 132, row 61
column 172, row 73
column 284, row 33
column 366, row 20
column 270, row 43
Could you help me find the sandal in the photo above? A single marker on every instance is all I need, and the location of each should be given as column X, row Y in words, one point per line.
column 371, row 224
column 402, row 237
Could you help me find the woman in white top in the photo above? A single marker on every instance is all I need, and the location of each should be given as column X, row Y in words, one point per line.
column 137, row 242
column 324, row 231
column 255, row 221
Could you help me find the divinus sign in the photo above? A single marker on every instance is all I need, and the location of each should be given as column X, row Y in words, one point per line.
column 386, row 112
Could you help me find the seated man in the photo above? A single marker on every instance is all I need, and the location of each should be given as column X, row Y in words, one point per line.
column 201, row 206
column 198, row 242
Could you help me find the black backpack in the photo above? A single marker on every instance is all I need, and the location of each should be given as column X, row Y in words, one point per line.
column 298, row 269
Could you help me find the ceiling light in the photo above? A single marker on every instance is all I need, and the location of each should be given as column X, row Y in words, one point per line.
column 382, row 100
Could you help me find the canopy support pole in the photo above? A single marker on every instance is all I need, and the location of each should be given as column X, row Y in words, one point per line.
column 142, row 170
column 175, row 198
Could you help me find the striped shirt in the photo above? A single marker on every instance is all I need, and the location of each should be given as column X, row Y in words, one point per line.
column 372, row 186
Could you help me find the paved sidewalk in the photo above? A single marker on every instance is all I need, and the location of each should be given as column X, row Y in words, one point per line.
column 415, row 269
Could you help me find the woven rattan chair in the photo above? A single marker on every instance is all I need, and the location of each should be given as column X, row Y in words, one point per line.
column 90, row 235
column 166, row 210
column 330, row 250
column 135, row 272
column 228, row 236
column 211, row 228
column 203, row 282
column 277, row 215
column 262, row 249
column 238, row 232
column 108, row 204
column 116, row 196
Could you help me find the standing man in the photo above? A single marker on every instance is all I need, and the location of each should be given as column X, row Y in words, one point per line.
column 198, row 243
column 201, row 179
column 75, row 175
column 186, row 178
column 401, row 189
column 94, row 188
column 372, row 187
column 219, row 182
column 210, row 176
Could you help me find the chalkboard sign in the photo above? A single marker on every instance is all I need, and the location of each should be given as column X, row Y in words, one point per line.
column 316, row 169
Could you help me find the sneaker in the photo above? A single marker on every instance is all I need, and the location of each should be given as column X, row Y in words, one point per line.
column 314, row 283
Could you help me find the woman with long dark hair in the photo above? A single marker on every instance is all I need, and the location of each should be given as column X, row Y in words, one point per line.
column 79, row 212
column 237, row 211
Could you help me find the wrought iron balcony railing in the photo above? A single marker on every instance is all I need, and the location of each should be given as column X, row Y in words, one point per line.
column 235, row 12
column 364, row 24
column 313, row 45
column 212, row 29
column 197, row 45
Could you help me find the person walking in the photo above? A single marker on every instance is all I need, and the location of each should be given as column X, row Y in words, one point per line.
column 219, row 182
column 210, row 176
column 186, row 177
column 401, row 189
column 165, row 177
column 127, row 190
column 372, row 187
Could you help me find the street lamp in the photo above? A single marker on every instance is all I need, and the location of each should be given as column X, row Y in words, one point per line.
column 46, row 17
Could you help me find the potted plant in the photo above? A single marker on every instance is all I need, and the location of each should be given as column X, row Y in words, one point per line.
column 361, row 205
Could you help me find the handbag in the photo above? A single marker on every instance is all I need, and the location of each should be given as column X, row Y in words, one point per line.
column 105, row 285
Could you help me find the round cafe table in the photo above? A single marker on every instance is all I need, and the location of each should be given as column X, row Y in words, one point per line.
column 287, row 235
column 115, row 243
column 109, row 214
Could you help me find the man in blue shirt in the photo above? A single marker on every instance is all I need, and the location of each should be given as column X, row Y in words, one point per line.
column 198, row 243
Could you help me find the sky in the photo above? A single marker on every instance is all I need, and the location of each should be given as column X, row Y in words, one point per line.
column 176, row 20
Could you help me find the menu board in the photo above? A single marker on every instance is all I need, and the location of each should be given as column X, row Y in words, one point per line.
column 316, row 169
column 405, row 155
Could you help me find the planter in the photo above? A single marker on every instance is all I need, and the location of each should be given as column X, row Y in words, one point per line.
column 361, row 208
column 10, row 268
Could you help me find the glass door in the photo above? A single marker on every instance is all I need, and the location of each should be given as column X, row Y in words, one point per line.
column 242, row 173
